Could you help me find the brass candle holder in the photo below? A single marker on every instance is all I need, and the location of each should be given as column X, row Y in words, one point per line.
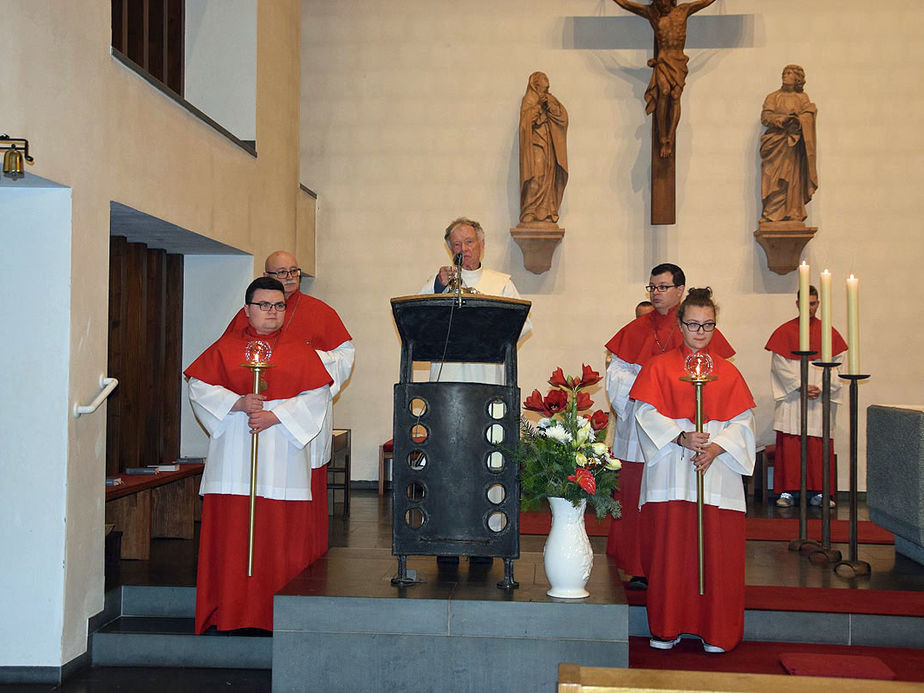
column 257, row 354
column 698, row 367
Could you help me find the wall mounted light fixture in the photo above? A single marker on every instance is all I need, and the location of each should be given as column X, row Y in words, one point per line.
column 15, row 150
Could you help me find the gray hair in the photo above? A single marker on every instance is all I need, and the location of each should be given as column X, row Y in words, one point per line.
column 464, row 221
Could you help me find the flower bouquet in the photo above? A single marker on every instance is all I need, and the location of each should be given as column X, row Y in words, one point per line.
column 563, row 455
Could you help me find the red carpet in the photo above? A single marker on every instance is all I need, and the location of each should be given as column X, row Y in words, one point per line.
column 758, row 528
column 765, row 658
column 850, row 666
column 821, row 599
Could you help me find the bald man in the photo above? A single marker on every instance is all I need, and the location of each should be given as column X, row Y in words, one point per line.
column 318, row 325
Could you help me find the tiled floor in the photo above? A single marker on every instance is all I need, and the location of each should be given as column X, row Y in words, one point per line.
column 173, row 562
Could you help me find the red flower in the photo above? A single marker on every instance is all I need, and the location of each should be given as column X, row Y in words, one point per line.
column 555, row 401
column 589, row 376
column 534, row 402
column 585, row 480
column 583, row 401
column 558, row 379
column 599, row 420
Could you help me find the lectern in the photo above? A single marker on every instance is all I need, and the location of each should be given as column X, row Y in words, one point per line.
column 456, row 486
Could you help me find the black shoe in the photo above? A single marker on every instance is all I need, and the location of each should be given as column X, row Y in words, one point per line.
column 636, row 582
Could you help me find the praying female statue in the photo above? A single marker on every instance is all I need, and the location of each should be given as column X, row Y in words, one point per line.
column 543, row 152
column 787, row 150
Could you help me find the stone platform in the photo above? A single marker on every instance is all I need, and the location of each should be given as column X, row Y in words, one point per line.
column 343, row 626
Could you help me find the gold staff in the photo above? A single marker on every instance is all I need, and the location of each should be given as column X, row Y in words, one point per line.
column 257, row 354
column 699, row 372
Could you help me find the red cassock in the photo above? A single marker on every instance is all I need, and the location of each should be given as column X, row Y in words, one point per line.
column 283, row 539
column 315, row 322
column 787, row 466
column 668, row 515
column 638, row 342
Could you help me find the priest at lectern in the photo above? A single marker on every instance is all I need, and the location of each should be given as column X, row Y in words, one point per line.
column 465, row 239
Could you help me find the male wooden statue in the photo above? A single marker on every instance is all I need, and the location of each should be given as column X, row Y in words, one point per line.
column 669, row 66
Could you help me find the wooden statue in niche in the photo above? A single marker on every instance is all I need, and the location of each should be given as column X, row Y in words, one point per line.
column 543, row 173
column 543, row 152
column 788, row 175
column 788, row 178
column 662, row 97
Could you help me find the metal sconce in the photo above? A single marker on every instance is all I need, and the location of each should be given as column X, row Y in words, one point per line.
column 13, row 155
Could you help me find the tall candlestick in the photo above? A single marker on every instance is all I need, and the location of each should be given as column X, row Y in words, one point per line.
column 803, row 307
column 853, row 325
column 825, row 316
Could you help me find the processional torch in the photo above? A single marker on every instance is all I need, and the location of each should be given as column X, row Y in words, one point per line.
column 257, row 354
column 698, row 367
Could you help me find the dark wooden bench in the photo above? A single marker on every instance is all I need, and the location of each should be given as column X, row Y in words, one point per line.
column 152, row 506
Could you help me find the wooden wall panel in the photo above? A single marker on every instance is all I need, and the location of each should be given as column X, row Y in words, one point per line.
column 145, row 347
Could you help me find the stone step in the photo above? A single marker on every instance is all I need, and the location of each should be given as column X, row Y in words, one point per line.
column 158, row 641
column 154, row 626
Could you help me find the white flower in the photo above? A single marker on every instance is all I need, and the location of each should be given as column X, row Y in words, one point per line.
column 544, row 423
column 613, row 463
column 558, row 433
column 580, row 460
column 599, row 449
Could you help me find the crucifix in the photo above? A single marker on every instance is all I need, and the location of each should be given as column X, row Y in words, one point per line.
column 662, row 97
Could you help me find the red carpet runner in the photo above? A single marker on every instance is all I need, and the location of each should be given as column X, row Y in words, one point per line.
column 768, row 657
column 758, row 528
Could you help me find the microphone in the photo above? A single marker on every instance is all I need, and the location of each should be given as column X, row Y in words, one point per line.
column 456, row 283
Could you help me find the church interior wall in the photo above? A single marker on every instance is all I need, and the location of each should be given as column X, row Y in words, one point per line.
column 99, row 129
column 409, row 119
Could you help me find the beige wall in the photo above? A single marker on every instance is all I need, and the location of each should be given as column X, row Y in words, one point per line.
column 409, row 118
column 100, row 129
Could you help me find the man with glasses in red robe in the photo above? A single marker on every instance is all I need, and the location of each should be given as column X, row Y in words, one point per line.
column 318, row 325
column 631, row 348
column 288, row 413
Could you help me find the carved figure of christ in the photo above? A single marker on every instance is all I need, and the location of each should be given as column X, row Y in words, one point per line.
column 662, row 97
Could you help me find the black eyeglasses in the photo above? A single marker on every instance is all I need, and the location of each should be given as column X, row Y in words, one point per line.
column 661, row 288
column 286, row 273
column 266, row 305
column 698, row 326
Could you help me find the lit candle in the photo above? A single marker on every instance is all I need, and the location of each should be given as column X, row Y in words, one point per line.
column 803, row 307
column 853, row 325
column 825, row 299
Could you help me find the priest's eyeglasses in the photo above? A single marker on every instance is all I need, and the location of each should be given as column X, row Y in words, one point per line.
column 266, row 305
column 286, row 273
column 698, row 326
column 661, row 288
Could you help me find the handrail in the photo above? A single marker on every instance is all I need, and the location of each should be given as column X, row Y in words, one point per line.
column 107, row 385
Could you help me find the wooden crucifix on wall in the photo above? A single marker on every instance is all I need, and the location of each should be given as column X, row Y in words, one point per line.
column 662, row 97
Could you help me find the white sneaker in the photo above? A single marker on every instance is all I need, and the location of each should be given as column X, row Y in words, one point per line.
column 784, row 501
column 660, row 644
column 712, row 649
column 816, row 501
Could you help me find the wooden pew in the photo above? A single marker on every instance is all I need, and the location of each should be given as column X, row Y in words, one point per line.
column 573, row 678
column 146, row 507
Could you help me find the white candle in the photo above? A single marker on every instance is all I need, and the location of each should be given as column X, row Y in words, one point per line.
column 803, row 307
column 825, row 299
column 853, row 325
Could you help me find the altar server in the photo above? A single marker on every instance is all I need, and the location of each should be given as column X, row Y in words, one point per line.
column 673, row 452
column 288, row 414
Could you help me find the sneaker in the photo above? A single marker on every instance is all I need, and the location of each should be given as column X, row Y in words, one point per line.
column 712, row 649
column 637, row 582
column 784, row 501
column 816, row 501
column 660, row 644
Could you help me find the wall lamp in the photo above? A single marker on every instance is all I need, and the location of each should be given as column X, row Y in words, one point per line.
column 15, row 150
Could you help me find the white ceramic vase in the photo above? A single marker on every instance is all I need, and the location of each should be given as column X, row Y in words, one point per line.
column 567, row 555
